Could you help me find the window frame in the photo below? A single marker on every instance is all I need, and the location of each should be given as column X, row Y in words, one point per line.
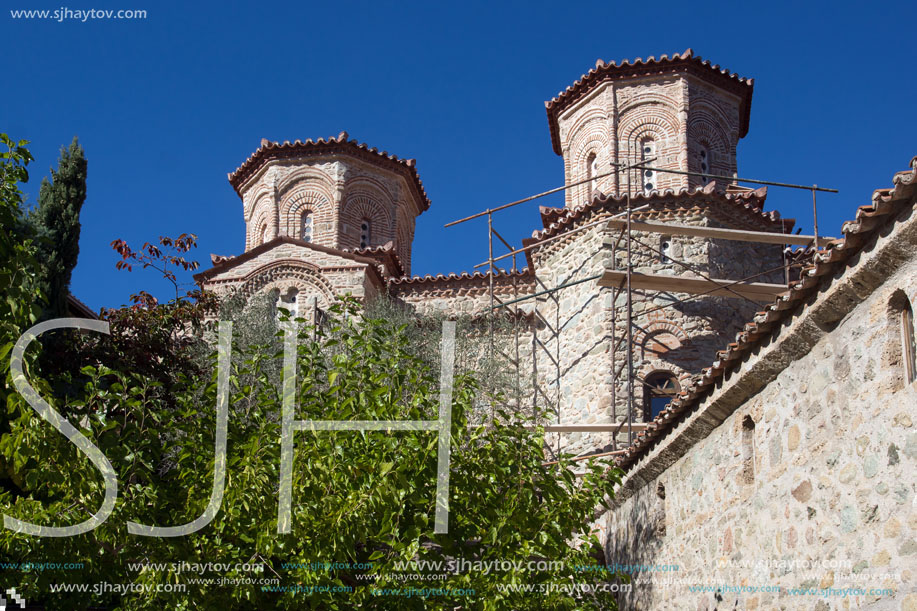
column 366, row 232
column 591, row 161
column 648, row 178
column 307, row 216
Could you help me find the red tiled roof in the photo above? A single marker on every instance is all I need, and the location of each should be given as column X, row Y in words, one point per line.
column 680, row 62
column 441, row 281
column 386, row 254
column 550, row 215
column 227, row 263
column 749, row 204
column 269, row 151
column 822, row 272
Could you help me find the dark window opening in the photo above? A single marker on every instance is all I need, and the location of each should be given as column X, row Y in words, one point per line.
column 665, row 248
column 658, row 391
column 748, row 450
column 365, row 233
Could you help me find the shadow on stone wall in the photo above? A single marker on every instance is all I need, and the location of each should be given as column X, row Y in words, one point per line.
column 635, row 539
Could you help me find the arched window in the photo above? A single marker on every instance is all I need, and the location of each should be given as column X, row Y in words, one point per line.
column 908, row 345
column 305, row 228
column 262, row 235
column 706, row 163
column 365, row 233
column 665, row 249
column 287, row 301
column 591, row 172
column 748, row 450
column 647, row 152
column 659, row 389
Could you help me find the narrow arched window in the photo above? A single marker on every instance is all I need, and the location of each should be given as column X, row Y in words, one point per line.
column 262, row 235
column 665, row 249
column 305, row 228
column 659, row 389
column 289, row 301
column 705, row 164
column 590, row 174
column 647, row 153
column 748, row 450
column 365, row 233
column 908, row 343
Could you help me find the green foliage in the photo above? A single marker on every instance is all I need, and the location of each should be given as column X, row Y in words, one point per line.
column 19, row 272
column 55, row 223
column 22, row 299
column 146, row 396
column 363, row 497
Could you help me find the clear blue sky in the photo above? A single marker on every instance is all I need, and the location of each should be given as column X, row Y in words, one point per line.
column 167, row 106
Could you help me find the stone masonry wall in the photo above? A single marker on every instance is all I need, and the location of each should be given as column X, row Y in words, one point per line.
column 807, row 484
column 673, row 332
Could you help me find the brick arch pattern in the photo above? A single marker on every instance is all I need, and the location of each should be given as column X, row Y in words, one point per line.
column 405, row 237
column 303, row 199
column 588, row 133
column 706, row 129
column 654, row 117
column 316, row 178
column 253, row 199
column 658, row 337
column 290, row 274
column 365, row 204
column 593, row 139
column 264, row 215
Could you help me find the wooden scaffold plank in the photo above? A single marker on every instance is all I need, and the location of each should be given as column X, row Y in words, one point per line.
column 763, row 237
column 756, row 291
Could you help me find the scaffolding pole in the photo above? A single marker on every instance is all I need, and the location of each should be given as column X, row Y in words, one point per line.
column 614, row 280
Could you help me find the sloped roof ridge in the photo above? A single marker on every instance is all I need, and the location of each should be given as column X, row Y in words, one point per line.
column 268, row 149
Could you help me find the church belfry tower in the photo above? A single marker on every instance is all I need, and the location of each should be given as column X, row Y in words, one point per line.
column 335, row 193
column 686, row 113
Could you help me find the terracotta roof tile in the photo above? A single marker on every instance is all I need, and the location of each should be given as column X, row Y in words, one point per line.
column 679, row 62
column 269, row 151
column 748, row 203
column 226, row 263
column 386, row 253
column 821, row 271
column 441, row 279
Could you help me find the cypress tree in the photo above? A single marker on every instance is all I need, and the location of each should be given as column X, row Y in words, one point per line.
column 55, row 222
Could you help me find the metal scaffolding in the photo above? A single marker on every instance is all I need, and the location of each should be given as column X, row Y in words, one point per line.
column 626, row 281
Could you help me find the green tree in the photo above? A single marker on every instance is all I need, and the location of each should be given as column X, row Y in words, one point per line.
column 147, row 398
column 22, row 299
column 55, row 222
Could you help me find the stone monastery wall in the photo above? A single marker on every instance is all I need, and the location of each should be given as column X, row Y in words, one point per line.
column 807, row 483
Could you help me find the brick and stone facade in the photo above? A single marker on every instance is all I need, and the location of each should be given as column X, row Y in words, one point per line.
column 789, row 463
column 791, row 432
column 682, row 104
column 682, row 111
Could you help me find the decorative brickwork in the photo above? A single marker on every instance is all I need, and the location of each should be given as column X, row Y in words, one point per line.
column 671, row 110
